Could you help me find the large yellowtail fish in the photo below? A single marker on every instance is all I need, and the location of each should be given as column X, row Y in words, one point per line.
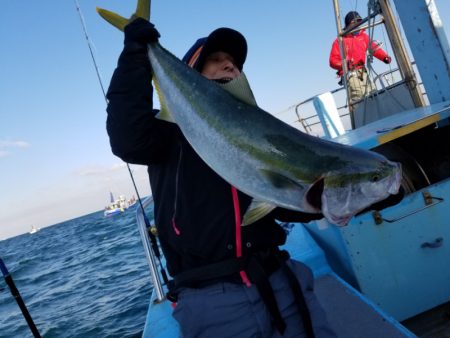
column 262, row 156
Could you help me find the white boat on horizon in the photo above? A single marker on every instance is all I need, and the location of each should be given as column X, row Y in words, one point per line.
column 34, row 230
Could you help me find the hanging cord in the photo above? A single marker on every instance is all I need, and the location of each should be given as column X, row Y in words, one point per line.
column 390, row 64
column 369, row 57
column 12, row 287
column 375, row 7
column 147, row 223
column 372, row 9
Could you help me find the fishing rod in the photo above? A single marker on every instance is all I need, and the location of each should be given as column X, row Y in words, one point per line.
column 97, row 70
column 16, row 294
column 147, row 223
column 150, row 233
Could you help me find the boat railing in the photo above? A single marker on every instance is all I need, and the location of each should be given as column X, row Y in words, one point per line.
column 143, row 223
column 306, row 117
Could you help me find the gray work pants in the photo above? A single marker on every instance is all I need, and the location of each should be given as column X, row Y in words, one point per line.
column 235, row 310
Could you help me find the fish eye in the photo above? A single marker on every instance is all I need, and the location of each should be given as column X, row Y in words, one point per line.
column 375, row 178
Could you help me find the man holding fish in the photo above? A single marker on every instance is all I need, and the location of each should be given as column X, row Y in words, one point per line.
column 220, row 269
column 222, row 173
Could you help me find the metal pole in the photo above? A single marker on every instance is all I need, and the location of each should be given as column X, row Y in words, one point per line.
column 337, row 16
column 151, row 260
column 401, row 55
column 360, row 27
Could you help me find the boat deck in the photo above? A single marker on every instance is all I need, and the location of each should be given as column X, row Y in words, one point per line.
column 350, row 315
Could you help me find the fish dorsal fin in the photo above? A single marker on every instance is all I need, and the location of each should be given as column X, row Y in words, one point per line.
column 280, row 181
column 164, row 113
column 256, row 211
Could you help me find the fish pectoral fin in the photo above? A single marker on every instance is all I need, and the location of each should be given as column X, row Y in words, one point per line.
column 164, row 113
column 256, row 211
column 165, row 116
column 142, row 11
column 278, row 180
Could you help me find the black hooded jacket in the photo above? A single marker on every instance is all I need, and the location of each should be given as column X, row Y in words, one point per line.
column 194, row 211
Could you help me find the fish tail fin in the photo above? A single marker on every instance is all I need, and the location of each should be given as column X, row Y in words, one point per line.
column 142, row 11
column 164, row 113
column 113, row 18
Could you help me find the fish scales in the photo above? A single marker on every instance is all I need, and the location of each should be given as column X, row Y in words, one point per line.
column 263, row 156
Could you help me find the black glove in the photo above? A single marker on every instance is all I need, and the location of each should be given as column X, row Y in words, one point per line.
column 387, row 60
column 141, row 31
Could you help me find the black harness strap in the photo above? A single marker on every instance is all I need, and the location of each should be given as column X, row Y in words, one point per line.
column 294, row 283
column 259, row 277
column 211, row 272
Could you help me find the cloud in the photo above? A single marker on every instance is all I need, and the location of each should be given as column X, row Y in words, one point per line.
column 6, row 146
column 101, row 171
column 13, row 144
column 96, row 171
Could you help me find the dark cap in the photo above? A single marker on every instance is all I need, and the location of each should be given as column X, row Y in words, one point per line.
column 350, row 17
column 221, row 40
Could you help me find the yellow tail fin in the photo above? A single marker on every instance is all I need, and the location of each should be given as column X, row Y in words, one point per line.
column 142, row 11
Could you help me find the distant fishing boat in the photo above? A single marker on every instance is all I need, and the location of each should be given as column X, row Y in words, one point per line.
column 34, row 229
column 118, row 206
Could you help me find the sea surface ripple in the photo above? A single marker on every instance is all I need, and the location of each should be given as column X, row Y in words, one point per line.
column 86, row 277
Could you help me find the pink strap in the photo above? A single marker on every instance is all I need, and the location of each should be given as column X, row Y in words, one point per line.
column 237, row 219
column 174, row 226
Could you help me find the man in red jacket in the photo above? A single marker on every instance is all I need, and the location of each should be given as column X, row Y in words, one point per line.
column 356, row 45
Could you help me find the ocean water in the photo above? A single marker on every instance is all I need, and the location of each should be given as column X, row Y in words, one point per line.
column 86, row 277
